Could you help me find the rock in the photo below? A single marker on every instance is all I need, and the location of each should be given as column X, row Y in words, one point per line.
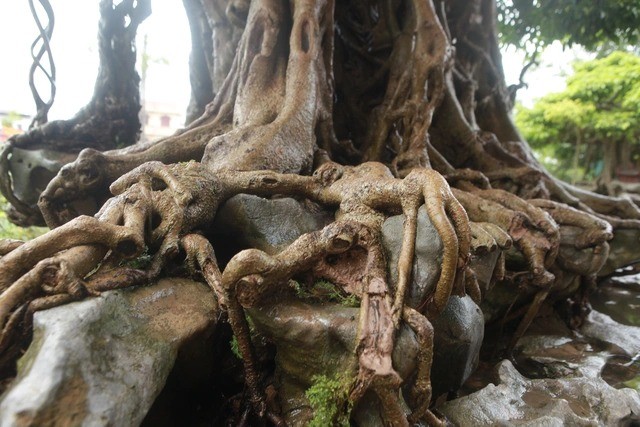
column 580, row 378
column 459, row 332
column 623, row 250
column 428, row 255
column 320, row 339
column 31, row 171
column 267, row 224
column 516, row 400
column 604, row 328
column 103, row 361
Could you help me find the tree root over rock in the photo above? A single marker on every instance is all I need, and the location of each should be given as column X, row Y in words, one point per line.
column 401, row 110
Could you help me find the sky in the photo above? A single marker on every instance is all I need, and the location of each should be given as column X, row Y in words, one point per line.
column 74, row 47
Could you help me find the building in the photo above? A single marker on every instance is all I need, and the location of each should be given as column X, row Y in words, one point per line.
column 160, row 120
column 12, row 123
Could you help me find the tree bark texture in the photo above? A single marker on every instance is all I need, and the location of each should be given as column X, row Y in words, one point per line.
column 368, row 108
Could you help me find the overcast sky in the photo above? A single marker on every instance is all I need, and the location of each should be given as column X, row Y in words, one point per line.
column 74, row 46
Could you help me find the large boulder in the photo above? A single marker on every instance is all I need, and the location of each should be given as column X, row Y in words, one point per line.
column 459, row 330
column 428, row 255
column 271, row 225
column 319, row 340
column 104, row 360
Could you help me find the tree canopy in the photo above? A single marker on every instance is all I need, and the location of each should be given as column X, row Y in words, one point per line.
column 600, row 105
column 589, row 23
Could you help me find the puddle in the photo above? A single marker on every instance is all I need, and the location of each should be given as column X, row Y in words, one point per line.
column 619, row 298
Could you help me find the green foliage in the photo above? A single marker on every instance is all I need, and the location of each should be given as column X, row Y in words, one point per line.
column 235, row 349
column 141, row 262
column 329, row 399
column 589, row 23
column 9, row 230
column 601, row 104
column 10, row 119
column 323, row 290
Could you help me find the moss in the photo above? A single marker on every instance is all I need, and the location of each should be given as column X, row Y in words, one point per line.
column 141, row 262
column 633, row 383
column 329, row 399
column 25, row 363
column 323, row 290
column 233, row 343
column 235, row 349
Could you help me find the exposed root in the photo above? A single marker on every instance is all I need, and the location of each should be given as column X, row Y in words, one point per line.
column 403, row 97
column 536, row 238
column 252, row 277
column 152, row 208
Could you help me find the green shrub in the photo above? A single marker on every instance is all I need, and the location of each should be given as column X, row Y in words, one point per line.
column 8, row 230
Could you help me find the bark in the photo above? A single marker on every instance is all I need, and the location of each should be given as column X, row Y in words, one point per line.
column 392, row 103
column 110, row 119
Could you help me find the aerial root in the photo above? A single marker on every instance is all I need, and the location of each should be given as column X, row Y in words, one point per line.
column 8, row 245
column 420, row 57
column 452, row 224
column 50, row 282
column 420, row 392
column 595, row 230
column 471, row 286
column 472, row 176
column 81, row 231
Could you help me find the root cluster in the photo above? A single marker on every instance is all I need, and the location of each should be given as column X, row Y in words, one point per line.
column 392, row 104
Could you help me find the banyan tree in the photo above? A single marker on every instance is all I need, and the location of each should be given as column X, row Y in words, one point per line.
column 361, row 110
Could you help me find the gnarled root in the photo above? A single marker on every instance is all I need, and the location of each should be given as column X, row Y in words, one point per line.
column 532, row 231
column 151, row 209
column 83, row 185
column 348, row 254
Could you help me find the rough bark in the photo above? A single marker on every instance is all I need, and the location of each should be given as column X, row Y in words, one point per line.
column 110, row 119
column 390, row 112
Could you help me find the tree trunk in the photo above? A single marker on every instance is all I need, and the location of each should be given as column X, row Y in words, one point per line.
column 375, row 97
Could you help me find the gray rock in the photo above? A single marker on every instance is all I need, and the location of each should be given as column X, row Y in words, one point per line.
column 623, row 250
column 459, row 331
column 104, row 360
column 31, row 171
column 604, row 328
column 516, row 400
column 267, row 224
column 572, row 368
column 428, row 254
column 320, row 339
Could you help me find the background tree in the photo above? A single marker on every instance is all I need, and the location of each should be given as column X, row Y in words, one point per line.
column 383, row 99
column 595, row 117
column 527, row 23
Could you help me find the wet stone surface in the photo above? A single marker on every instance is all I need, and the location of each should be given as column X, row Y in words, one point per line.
column 516, row 400
column 267, row 224
column 104, row 360
column 563, row 377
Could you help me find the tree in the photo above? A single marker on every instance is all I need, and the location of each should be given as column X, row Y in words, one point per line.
column 384, row 100
column 592, row 25
column 598, row 110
